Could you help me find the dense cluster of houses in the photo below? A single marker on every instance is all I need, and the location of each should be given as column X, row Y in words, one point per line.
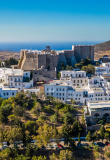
column 93, row 92
column 90, row 91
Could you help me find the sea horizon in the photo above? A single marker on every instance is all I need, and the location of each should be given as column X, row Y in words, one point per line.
column 17, row 46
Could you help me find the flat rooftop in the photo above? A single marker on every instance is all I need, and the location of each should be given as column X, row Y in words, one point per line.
column 103, row 104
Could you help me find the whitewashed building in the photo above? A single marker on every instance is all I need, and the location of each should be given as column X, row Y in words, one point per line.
column 15, row 78
column 98, row 110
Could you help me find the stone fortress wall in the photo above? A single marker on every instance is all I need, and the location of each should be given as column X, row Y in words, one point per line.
column 46, row 64
column 82, row 52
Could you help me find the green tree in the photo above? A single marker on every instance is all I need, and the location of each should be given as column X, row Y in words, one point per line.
column 95, row 137
column 65, row 155
column 79, row 139
column 5, row 111
column 31, row 126
column 102, row 132
column 58, row 75
column 39, row 158
column 45, row 133
column 89, row 69
column 89, row 137
column 107, row 136
column 66, row 131
column 14, row 135
column 18, row 111
column 84, row 62
column 21, row 157
column 29, row 151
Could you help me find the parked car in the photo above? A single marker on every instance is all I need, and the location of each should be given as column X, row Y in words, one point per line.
column 107, row 143
column 100, row 144
column 5, row 146
column 85, row 144
column 60, row 146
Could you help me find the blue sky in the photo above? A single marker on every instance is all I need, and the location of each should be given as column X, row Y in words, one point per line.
column 54, row 20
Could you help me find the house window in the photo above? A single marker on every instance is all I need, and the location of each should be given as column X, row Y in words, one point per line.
column 15, row 84
column 11, row 79
column 4, row 94
column 57, row 89
column 47, row 89
column 13, row 93
column 11, row 84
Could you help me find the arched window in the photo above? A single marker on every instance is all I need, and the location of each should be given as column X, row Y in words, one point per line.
column 96, row 115
column 106, row 115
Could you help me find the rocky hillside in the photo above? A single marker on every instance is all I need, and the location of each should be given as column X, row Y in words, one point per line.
column 102, row 49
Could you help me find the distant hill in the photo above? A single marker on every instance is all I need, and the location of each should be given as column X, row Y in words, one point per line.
column 102, row 46
column 7, row 54
column 102, row 49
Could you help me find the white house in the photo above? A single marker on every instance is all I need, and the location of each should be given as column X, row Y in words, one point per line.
column 15, row 78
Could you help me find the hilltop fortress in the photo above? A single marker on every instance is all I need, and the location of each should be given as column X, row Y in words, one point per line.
column 46, row 62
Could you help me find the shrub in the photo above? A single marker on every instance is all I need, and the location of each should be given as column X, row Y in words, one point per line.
column 47, row 109
column 96, row 154
column 5, row 111
column 53, row 118
column 96, row 148
column 30, row 126
column 42, row 117
column 107, row 154
column 18, row 111
column 68, row 118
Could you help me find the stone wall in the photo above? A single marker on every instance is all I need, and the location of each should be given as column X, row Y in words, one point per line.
column 82, row 52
